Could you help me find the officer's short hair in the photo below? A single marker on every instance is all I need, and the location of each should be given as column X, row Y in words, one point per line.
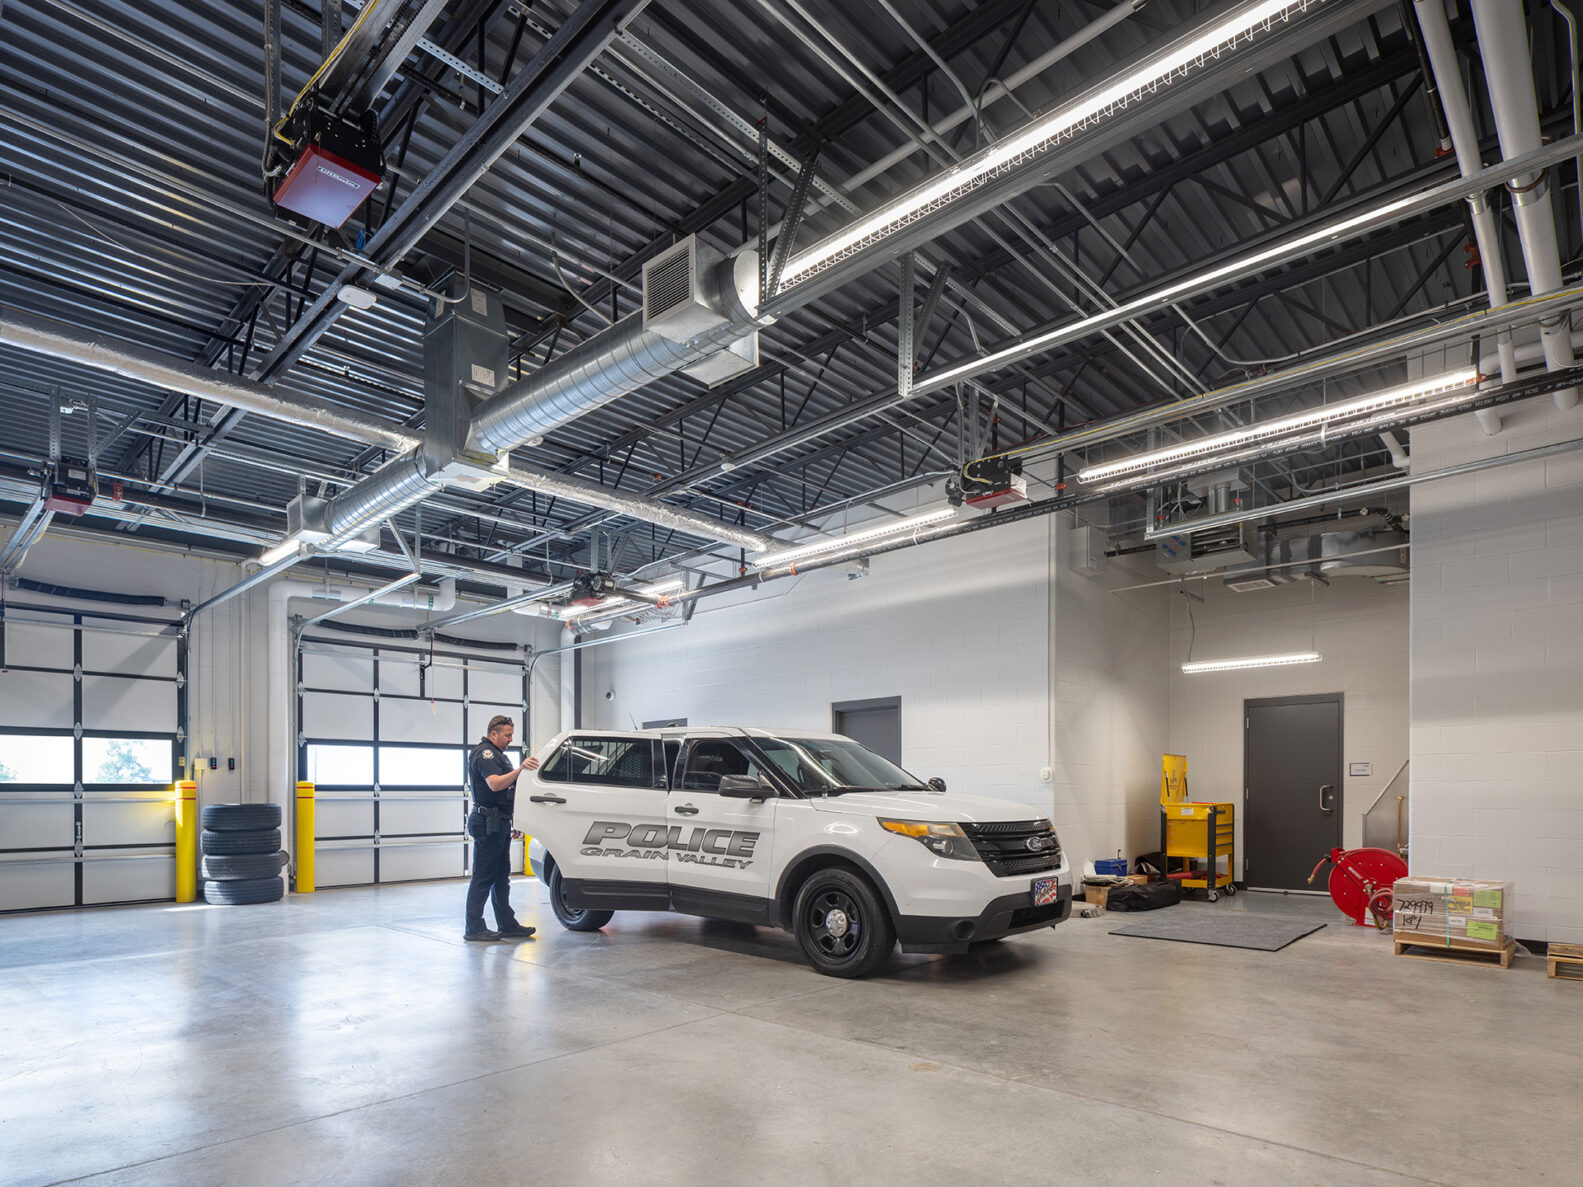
column 498, row 720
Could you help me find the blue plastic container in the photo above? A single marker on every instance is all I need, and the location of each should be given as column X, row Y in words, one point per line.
column 1111, row 865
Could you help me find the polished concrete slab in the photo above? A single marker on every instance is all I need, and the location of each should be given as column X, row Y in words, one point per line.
column 351, row 1036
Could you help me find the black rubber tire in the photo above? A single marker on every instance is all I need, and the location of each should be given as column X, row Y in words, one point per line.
column 224, row 868
column 234, row 817
column 867, row 938
column 238, row 891
column 569, row 919
column 240, row 841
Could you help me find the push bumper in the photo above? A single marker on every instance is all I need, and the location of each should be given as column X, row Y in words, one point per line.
column 1006, row 916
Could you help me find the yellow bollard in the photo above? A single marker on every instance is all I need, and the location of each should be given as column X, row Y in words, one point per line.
column 186, row 841
column 304, row 838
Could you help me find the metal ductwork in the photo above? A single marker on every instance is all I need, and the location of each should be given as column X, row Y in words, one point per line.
column 714, row 307
column 55, row 339
column 1503, row 44
column 697, row 305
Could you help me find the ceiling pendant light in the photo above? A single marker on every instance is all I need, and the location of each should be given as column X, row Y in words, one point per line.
column 1251, row 661
column 617, row 605
column 1173, row 62
column 1202, row 450
column 820, row 548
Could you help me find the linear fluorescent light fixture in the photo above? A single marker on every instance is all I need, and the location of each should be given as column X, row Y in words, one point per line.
column 1172, row 63
column 658, row 589
column 790, row 556
column 1251, row 661
column 1161, row 298
column 1204, row 448
column 287, row 547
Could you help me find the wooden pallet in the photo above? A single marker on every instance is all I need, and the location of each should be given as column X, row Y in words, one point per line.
column 1565, row 955
column 1456, row 951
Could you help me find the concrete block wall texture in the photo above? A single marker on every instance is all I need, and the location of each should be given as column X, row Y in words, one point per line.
column 1359, row 626
column 1497, row 681
column 960, row 630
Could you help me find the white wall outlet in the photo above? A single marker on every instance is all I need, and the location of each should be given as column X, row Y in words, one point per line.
column 1047, row 774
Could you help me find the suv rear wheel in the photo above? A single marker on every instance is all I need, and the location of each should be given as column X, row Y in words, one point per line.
column 573, row 920
column 841, row 924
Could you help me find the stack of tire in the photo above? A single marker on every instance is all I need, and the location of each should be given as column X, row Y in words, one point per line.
column 242, row 858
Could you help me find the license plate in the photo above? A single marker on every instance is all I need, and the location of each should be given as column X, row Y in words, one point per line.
column 1046, row 891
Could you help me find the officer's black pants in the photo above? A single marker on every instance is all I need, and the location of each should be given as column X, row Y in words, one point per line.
column 491, row 872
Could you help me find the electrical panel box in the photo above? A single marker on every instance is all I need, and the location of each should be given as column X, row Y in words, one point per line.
column 1085, row 550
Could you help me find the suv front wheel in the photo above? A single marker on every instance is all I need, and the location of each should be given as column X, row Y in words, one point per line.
column 570, row 918
column 841, row 925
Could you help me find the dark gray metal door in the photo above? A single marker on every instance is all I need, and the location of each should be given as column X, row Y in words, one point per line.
column 1292, row 780
column 875, row 723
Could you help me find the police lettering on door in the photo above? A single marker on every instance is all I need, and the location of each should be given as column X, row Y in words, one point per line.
column 722, row 847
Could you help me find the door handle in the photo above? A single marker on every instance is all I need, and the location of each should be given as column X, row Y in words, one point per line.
column 545, row 799
column 685, row 810
column 1323, row 807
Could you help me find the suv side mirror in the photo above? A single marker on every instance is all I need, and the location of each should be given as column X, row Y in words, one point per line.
column 937, row 783
column 743, row 787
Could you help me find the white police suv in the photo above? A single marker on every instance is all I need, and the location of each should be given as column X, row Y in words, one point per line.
column 810, row 832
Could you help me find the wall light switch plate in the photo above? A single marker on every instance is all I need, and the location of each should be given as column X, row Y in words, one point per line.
column 1047, row 774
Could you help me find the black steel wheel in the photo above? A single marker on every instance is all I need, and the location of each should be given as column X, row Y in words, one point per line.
column 841, row 924
column 570, row 918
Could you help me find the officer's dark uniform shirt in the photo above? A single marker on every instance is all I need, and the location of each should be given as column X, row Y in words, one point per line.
column 487, row 759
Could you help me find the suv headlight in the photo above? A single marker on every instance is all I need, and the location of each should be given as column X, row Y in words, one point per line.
column 942, row 838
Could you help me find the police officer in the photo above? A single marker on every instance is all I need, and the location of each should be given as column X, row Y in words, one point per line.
column 494, row 782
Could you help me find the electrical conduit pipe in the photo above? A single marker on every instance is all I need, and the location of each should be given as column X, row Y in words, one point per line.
column 1503, row 44
column 281, row 686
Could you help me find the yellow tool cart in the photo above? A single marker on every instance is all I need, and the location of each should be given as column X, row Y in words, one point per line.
column 1199, row 834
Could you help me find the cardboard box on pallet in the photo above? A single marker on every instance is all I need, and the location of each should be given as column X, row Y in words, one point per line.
column 1459, row 909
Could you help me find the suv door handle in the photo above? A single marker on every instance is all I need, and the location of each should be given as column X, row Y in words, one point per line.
column 685, row 810
column 545, row 799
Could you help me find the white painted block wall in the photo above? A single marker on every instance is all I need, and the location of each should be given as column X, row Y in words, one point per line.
column 1497, row 649
column 960, row 630
column 1359, row 627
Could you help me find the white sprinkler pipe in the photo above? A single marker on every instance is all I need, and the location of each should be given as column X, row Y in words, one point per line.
column 1465, row 140
column 1503, row 44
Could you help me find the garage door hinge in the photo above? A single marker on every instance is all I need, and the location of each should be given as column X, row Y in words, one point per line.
column 181, row 736
column 76, row 730
column 376, row 791
column 76, row 673
column 78, row 852
column 376, row 694
column 181, row 679
column 76, row 791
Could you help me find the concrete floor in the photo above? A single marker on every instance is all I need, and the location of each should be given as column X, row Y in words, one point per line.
column 352, row 1037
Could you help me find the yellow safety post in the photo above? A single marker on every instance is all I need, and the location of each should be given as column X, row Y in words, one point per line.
column 186, row 841
column 304, row 837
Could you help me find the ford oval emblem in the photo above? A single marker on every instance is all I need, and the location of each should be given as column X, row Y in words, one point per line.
column 1036, row 843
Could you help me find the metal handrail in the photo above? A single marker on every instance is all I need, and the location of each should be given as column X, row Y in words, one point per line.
column 64, row 858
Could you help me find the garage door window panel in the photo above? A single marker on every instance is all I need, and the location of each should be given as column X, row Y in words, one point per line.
column 29, row 759
column 128, row 761
column 422, row 766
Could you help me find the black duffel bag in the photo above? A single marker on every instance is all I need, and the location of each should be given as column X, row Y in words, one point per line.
column 1145, row 897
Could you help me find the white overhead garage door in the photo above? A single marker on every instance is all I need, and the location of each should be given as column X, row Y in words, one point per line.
column 92, row 716
column 384, row 734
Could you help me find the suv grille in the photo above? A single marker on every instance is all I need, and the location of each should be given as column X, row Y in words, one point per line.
column 1004, row 846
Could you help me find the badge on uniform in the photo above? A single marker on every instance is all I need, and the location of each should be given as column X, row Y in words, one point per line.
column 488, row 754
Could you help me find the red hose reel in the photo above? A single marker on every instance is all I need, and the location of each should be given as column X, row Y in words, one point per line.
column 1361, row 882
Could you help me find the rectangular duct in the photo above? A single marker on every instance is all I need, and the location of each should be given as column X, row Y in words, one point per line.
column 676, row 302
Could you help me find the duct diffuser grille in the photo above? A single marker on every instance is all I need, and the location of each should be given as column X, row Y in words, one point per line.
column 674, row 302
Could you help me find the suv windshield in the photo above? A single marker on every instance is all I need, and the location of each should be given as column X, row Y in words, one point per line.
column 824, row 767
